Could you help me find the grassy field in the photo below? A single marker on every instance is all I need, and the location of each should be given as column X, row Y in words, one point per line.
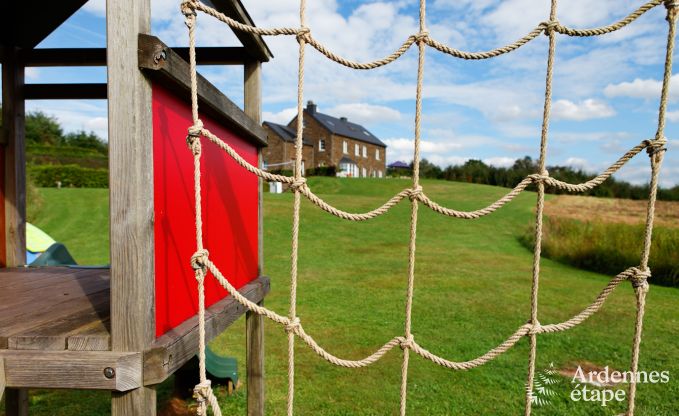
column 472, row 291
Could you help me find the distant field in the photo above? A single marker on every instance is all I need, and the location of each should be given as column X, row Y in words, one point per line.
column 606, row 235
column 613, row 210
column 471, row 292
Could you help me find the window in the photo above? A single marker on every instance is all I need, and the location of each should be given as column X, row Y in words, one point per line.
column 365, row 151
column 357, row 150
column 365, row 173
column 379, row 173
column 345, row 147
column 377, row 154
column 321, row 145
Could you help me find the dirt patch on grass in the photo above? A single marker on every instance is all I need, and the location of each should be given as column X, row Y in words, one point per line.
column 611, row 210
column 571, row 371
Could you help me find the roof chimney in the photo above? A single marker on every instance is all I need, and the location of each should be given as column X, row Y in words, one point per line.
column 311, row 107
column 344, row 119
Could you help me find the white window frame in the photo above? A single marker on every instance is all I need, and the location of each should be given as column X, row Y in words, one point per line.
column 365, row 173
column 357, row 149
column 345, row 147
column 365, row 151
column 321, row 145
column 377, row 154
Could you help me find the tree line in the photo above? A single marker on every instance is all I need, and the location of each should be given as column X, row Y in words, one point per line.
column 475, row 171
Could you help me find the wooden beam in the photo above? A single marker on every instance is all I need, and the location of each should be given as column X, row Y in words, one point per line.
column 3, row 383
column 131, row 195
column 172, row 350
column 65, row 91
column 16, row 402
column 13, row 137
column 91, row 370
column 64, row 57
column 253, row 43
column 254, row 323
column 48, row 57
column 167, row 67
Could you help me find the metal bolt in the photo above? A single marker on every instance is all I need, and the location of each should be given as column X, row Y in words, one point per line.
column 109, row 372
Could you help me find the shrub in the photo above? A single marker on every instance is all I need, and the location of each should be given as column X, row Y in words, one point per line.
column 609, row 247
column 69, row 176
column 322, row 171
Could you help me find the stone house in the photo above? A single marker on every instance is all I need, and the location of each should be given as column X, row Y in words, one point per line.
column 349, row 147
column 280, row 153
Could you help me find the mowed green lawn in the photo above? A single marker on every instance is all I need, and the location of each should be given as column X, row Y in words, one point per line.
column 471, row 292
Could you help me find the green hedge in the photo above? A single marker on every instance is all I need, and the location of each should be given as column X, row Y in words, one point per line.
column 69, row 175
column 65, row 151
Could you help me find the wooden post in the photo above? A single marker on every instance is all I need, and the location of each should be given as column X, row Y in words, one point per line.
column 13, row 184
column 3, row 384
column 254, row 323
column 14, row 170
column 131, row 195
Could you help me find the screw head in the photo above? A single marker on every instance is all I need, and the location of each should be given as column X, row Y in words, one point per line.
column 109, row 372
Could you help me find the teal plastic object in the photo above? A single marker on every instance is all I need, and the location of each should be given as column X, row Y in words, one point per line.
column 56, row 255
column 220, row 367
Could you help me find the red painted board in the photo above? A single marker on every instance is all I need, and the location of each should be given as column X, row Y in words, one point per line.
column 229, row 201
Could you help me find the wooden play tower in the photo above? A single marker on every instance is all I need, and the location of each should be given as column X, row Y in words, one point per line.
column 129, row 327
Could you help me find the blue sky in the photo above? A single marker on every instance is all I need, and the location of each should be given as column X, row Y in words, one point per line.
column 605, row 89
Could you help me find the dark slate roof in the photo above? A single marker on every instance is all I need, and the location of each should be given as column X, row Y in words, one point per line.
column 346, row 160
column 345, row 128
column 285, row 132
column 398, row 164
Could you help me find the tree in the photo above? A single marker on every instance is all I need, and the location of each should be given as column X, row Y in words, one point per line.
column 42, row 129
column 86, row 140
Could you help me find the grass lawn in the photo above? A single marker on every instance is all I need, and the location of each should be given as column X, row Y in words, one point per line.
column 471, row 292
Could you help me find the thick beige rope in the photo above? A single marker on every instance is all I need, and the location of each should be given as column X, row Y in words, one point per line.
column 201, row 263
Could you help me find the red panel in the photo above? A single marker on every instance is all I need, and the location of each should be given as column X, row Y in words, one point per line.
column 229, row 201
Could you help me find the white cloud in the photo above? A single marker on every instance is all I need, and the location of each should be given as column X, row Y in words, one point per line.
column 641, row 88
column 281, row 117
column 75, row 115
column 578, row 163
column 584, row 110
column 673, row 116
column 401, row 145
column 363, row 113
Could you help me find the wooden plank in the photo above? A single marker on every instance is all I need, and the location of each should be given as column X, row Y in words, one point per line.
column 16, row 402
column 173, row 72
column 3, row 383
column 13, row 135
column 170, row 351
column 94, row 91
column 96, row 338
column 254, row 323
column 53, row 335
column 78, row 306
column 72, row 370
column 254, row 43
column 131, row 194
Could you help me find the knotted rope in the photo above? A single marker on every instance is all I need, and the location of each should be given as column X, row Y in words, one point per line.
column 201, row 263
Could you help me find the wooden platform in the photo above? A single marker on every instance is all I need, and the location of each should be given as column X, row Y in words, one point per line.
column 54, row 308
column 55, row 331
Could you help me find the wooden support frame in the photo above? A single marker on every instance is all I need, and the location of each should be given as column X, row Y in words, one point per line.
column 131, row 195
column 65, row 91
column 13, row 246
column 254, row 323
column 211, row 55
column 101, row 370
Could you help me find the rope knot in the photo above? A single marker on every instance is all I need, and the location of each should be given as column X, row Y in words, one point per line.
column 304, row 34
column 539, row 177
column 672, row 7
column 202, row 393
column 188, row 8
column 193, row 138
column 422, row 36
column 298, row 184
column 407, row 342
column 534, row 327
column 293, row 326
column 199, row 260
column 415, row 193
column 550, row 26
column 657, row 146
column 639, row 278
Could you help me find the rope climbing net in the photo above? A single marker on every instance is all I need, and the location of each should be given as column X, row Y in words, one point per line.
column 201, row 262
